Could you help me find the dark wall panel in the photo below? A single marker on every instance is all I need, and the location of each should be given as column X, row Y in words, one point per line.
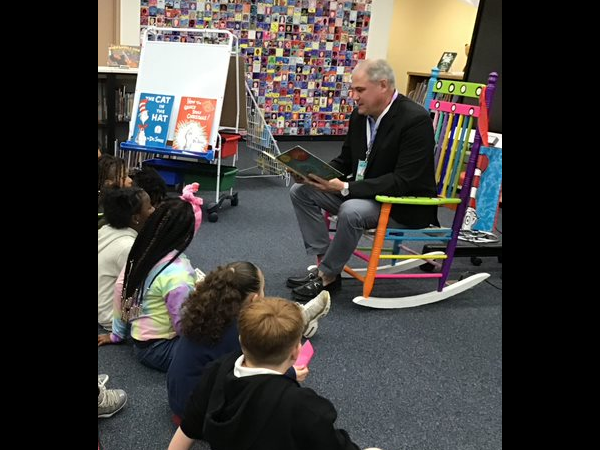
column 486, row 54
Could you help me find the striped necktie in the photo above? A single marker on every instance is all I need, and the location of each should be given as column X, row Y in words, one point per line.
column 373, row 133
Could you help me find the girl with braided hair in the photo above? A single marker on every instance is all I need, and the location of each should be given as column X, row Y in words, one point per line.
column 156, row 280
column 150, row 181
column 112, row 174
column 125, row 211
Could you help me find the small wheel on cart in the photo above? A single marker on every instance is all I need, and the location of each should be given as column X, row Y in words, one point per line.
column 213, row 217
column 476, row 261
column 235, row 200
column 427, row 267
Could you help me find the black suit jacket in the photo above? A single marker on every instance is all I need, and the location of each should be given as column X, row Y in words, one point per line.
column 401, row 162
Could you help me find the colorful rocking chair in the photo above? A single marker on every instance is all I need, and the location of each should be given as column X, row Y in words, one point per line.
column 453, row 124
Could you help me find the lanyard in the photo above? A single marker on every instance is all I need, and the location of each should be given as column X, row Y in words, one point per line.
column 374, row 131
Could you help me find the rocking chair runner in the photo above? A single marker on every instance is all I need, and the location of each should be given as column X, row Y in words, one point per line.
column 453, row 123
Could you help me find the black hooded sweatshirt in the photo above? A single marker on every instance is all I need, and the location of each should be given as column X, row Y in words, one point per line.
column 260, row 412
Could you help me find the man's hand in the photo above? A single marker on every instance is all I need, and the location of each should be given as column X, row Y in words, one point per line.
column 335, row 185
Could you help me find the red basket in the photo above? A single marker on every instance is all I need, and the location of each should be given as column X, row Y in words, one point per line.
column 229, row 144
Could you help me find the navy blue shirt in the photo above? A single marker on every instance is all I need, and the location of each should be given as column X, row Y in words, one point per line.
column 189, row 361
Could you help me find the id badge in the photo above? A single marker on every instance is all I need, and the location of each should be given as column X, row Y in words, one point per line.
column 360, row 170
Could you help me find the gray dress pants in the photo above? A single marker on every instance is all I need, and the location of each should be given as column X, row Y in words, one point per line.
column 353, row 217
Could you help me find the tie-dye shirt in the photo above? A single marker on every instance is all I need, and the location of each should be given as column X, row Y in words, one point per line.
column 159, row 316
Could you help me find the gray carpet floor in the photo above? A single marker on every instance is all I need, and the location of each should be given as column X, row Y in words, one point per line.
column 427, row 378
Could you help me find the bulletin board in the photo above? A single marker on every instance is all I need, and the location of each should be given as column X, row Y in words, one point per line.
column 183, row 69
column 299, row 54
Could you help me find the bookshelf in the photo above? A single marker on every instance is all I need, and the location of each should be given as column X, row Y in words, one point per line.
column 116, row 88
column 416, row 86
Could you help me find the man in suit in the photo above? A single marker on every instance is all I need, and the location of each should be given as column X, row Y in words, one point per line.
column 388, row 151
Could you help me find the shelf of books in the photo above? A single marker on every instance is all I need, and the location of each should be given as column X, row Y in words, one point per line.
column 416, row 87
column 116, row 88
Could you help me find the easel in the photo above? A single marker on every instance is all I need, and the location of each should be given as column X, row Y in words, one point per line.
column 196, row 69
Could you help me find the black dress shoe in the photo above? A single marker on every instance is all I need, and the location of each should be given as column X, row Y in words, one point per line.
column 293, row 282
column 311, row 289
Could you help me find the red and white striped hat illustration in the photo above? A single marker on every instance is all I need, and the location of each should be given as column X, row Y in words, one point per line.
column 142, row 106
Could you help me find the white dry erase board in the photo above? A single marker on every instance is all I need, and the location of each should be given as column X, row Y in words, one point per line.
column 187, row 69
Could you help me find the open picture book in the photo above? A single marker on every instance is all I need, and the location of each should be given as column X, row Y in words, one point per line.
column 302, row 162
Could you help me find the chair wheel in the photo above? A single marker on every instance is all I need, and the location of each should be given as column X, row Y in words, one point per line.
column 213, row 217
column 234, row 200
column 427, row 267
column 476, row 261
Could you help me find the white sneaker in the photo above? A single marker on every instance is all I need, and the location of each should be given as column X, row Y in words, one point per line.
column 313, row 310
column 110, row 401
column 200, row 276
column 102, row 379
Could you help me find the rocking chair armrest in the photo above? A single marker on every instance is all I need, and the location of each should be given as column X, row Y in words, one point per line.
column 425, row 201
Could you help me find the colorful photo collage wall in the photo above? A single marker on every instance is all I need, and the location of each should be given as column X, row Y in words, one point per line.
column 299, row 53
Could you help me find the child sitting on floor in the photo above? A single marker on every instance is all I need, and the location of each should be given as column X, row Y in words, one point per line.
column 246, row 403
column 209, row 326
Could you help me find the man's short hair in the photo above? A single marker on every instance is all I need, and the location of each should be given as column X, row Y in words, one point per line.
column 269, row 329
column 377, row 70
